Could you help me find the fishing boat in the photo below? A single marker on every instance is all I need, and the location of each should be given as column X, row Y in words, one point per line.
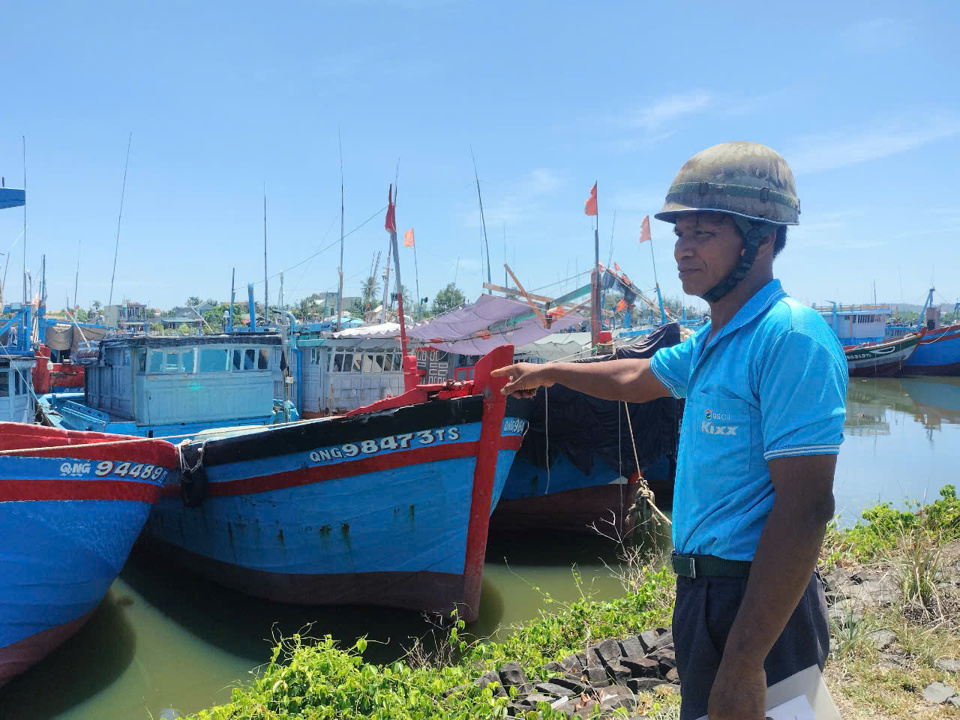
column 71, row 506
column 387, row 505
column 577, row 467
column 939, row 350
column 881, row 359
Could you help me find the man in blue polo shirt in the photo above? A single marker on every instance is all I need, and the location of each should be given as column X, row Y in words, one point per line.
column 765, row 387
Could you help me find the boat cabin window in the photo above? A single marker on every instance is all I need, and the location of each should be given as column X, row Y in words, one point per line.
column 387, row 363
column 4, row 383
column 171, row 362
column 141, row 360
column 20, row 382
column 343, row 362
column 251, row 359
column 187, row 357
column 156, row 361
column 213, row 360
column 315, row 356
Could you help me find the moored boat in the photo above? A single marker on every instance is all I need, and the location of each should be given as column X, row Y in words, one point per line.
column 388, row 505
column 937, row 354
column 71, row 506
column 883, row 359
column 577, row 467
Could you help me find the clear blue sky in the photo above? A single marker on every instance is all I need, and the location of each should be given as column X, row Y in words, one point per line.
column 860, row 97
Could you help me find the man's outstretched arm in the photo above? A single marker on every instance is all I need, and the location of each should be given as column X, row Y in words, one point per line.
column 630, row 380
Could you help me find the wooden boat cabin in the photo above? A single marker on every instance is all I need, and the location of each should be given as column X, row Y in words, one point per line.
column 341, row 374
column 155, row 386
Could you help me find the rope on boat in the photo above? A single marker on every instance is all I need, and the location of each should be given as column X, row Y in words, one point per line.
column 644, row 490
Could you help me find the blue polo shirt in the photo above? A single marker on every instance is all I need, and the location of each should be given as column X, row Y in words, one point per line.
column 771, row 384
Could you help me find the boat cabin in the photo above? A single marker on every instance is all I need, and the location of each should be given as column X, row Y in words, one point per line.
column 145, row 385
column 342, row 374
column 857, row 324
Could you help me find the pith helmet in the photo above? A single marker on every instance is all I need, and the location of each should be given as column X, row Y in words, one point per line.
column 744, row 179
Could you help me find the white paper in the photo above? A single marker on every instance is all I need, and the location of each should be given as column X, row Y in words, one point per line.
column 796, row 709
column 803, row 696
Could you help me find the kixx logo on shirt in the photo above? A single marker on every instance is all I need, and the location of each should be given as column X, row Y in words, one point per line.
column 710, row 427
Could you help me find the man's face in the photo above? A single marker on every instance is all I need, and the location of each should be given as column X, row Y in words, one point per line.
column 708, row 248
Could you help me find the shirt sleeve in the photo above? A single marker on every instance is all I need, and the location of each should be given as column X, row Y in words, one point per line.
column 671, row 366
column 803, row 392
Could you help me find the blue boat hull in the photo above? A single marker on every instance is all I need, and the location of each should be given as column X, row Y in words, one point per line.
column 68, row 524
column 569, row 500
column 937, row 354
column 386, row 508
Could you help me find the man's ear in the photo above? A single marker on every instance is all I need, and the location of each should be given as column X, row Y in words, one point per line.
column 767, row 243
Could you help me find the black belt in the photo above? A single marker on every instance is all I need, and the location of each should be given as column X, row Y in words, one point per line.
column 693, row 566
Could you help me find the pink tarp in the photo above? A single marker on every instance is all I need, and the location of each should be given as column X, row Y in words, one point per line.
column 456, row 330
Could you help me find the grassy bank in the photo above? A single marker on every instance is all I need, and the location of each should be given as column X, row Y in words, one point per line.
column 897, row 572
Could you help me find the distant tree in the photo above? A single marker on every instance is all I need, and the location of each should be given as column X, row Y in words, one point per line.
column 214, row 318
column 447, row 299
column 156, row 328
column 370, row 292
column 184, row 329
column 96, row 305
column 193, row 301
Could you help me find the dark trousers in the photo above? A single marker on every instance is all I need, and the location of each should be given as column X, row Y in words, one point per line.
column 702, row 617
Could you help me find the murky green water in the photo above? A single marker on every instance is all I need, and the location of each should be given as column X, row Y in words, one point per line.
column 162, row 639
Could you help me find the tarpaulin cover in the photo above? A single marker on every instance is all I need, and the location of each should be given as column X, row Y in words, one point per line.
column 467, row 330
column 58, row 337
column 457, row 331
column 585, row 428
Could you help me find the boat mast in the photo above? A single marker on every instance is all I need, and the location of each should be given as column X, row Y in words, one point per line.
column 483, row 222
column 116, row 247
column 396, row 261
column 25, row 298
column 266, row 289
column 340, row 269
column 596, row 323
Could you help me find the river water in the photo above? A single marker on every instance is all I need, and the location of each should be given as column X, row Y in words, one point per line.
column 163, row 639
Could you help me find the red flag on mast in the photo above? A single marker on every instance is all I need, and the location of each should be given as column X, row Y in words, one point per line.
column 590, row 208
column 390, row 225
column 408, row 238
column 645, row 229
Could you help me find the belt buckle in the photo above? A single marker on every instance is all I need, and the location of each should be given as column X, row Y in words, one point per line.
column 687, row 564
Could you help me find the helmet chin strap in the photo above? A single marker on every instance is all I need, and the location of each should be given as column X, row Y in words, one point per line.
column 753, row 232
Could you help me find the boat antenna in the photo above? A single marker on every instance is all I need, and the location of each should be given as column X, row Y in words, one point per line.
column 116, row 246
column 340, row 269
column 613, row 229
column 76, row 278
column 266, row 289
column 233, row 295
column 483, row 222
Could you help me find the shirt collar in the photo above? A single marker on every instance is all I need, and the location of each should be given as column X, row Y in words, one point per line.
column 752, row 309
